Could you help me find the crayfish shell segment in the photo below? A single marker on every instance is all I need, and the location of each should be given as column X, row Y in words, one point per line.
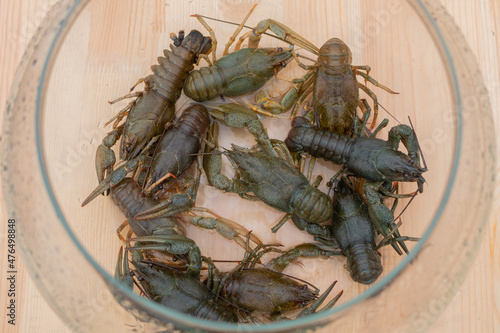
column 335, row 54
column 363, row 263
column 311, row 204
column 195, row 120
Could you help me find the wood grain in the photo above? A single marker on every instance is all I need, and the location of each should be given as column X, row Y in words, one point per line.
column 475, row 308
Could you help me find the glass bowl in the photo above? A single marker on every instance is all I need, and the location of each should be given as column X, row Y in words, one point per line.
column 88, row 52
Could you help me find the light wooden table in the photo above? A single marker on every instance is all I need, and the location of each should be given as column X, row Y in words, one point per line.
column 475, row 308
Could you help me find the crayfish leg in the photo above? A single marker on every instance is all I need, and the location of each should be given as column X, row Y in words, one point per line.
column 224, row 227
column 122, row 270
column 283, row 32
column 237, row 31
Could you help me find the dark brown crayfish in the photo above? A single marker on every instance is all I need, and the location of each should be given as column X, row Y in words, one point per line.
column 173, row 155
column 265, row 291
column 335, row 87
column 231, row 296
column 176, row 290
column 155, row 106
column 127, row 195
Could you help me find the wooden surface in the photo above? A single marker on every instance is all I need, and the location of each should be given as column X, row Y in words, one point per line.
column 475, row 308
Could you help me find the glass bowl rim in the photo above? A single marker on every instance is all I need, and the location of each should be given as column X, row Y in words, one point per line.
column 187, row 320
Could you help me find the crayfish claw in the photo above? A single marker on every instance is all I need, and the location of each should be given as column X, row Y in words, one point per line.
column 110, row 181
column 313, row 308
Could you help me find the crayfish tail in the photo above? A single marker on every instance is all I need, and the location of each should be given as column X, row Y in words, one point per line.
column 363, row 263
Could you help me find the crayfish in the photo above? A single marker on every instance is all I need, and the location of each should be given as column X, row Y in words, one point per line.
column 273, row 180
column 231, row 296
column 153, row 108
column 335, row 88
column 367, row 157
column 351, row 233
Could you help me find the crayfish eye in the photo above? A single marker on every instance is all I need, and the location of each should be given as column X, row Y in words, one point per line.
column 140, row 278
column 305, row 287
column 128, row 147
column 283, row 64
column 174, row 259
column 412, row 161
column 160, row 187
column 303, row 303
column 279, row 49
column 406, row 176
column 150, row 265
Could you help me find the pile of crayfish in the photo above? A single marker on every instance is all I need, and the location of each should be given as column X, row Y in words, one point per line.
column 162, row 158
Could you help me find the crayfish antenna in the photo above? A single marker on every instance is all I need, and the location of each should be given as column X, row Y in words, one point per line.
column 418, row 144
